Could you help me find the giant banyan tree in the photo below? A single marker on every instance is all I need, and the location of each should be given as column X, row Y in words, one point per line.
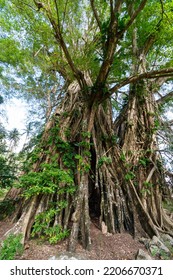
column 94, row 161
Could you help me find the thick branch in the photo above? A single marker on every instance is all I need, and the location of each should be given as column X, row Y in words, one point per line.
column 170, row 174
column 30, row 6
column 133, row 17
column 117, row 7
column 110, row 46
column 95, row 14
column 170, row 122
column 39, row 4
column 112, row 40
column 58, row 35
column 146, row 75
column 165, row 98
column 57, row 12
column 148, row 44
column 111, row 8
column 160, row 81
column 106, row 65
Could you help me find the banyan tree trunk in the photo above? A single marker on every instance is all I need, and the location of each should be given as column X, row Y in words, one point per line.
column 117, row 175
column 136, row 129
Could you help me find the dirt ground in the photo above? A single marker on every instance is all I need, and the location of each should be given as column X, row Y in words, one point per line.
column 104, row 246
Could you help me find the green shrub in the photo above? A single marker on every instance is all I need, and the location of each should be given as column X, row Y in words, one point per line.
column 11, row 247
column 42, row 229
column 48, row 181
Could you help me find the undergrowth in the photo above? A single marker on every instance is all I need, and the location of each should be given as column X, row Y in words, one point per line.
column 11, row 247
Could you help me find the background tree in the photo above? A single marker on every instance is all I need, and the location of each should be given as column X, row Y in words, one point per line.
column 7, row 162
column 89, row 164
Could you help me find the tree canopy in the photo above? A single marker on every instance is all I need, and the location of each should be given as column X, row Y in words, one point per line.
column 70, row 37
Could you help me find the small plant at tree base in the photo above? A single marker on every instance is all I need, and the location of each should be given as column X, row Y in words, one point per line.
column 11, row 247
column 52, row 234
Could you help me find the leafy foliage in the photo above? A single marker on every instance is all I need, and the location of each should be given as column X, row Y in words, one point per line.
column 41, row 226
column 11, row 247
column 47, row 181
column 129, row 176
column 103, row 160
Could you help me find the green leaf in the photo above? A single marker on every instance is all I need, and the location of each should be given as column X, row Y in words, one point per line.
column 129, row 176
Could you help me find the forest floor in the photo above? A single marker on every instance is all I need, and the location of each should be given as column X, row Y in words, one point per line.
column 104, row 246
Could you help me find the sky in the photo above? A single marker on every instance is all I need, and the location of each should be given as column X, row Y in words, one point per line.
column 16, row 112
